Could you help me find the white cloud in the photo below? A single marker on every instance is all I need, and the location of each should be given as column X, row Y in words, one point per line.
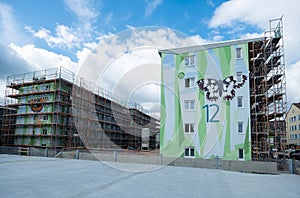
column 42, row 59
column 68, row 37
column 293, row 82
column 151, row 5
column 83, row 9
column 257, row 13
column 128, row 64
column 9, row 29
column 64, row 36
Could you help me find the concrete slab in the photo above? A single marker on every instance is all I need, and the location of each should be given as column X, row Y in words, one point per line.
column 50, row 177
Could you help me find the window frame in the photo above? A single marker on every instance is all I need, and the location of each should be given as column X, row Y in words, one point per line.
column 190, row 148
column 243, row 154
column 242, row 125
column 238, row 51
column 189, row 61
column 190, row 125
column 239, row 77
column 189, row 105
column 191, row 82
column 238, row 99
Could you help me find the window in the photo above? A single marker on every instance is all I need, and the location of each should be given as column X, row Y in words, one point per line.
column 43, row 144
column 240, row 101
column 241, row 154
column 239, row 53
column 45, row 117
column 189, row 60
column 189, row 104
column 298, row 117
column 189, row 82
column 44, row 131
column 239, row 77
column 296, row 136
column 189, row 127
column 47, row 87
column 240, row 127
column 294, row 118
column 189, row 152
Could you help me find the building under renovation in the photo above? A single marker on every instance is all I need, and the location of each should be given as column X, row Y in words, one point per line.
column 54, row 109
column 225, row 99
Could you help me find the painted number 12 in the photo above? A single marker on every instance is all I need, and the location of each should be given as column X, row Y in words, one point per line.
column 212, row 109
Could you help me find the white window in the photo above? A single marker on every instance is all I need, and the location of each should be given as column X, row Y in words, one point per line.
column 189, row 60
column 239, row 77
column 298, row 117
column 296, row 136
column 241, row 154
column 239, row 53
column 189, row 104
column 189, row 152
column 189, row 127
column 240, row 101
column 189, row 82
column 240, row 127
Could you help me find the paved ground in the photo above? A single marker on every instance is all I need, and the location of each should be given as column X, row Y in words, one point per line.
column 49, row 177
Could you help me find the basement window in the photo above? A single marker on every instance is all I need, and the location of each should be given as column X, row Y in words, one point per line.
column 241, row 154
column 189, row 152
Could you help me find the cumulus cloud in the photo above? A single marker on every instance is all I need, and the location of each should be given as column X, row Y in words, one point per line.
column 63, row 37
column 10, row 62
column 235, row 14
column 128, row 64
column 292, row 80
column 39, row 58
column 9, row 28
column 68, row 37
column 151, row 5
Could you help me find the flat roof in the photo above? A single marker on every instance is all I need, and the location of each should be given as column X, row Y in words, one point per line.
column 208, row 46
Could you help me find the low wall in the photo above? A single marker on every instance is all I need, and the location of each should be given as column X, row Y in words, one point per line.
column 242, row 166
column 153, row 159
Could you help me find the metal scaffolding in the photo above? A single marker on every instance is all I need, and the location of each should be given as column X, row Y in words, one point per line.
column 268, row 93
column 54, row 109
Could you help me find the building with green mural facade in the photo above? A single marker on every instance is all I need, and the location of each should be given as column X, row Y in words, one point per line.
column 205, row 92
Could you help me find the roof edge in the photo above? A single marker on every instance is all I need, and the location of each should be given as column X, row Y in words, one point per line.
column 208, row 46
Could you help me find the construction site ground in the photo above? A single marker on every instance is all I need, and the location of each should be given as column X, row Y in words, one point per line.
column 27, row 176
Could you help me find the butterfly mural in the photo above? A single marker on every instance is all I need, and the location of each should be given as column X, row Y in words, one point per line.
column 225, row 88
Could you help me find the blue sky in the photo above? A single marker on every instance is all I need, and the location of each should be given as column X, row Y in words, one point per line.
column 38, row 34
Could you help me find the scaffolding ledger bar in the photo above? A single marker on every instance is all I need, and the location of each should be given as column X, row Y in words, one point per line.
column 54, row 109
